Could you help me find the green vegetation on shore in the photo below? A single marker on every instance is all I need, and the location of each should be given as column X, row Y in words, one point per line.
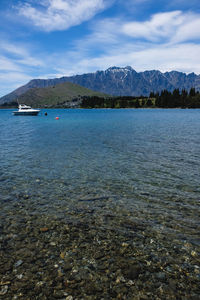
column 63, row 95
column 117, row 102
column 165, row 99
column 177, row 99
column 68, row 95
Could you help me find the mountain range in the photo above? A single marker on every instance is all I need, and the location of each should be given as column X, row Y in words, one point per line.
column 117, row 81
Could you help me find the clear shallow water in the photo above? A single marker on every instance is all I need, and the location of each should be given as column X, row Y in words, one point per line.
column 111, row 166
column 149, row 159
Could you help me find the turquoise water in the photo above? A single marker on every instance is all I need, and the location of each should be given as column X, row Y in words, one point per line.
column 149, row 159
column 108, row 198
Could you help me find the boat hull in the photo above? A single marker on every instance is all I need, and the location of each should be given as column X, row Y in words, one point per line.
column 23, row 113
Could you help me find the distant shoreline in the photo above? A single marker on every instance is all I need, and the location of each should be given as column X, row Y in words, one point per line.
column 165, row 99
column 107, row 108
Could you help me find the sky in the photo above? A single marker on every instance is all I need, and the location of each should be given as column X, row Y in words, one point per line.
column 55, row 38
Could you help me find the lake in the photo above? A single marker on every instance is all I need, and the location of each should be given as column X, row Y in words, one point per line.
column 100, row 204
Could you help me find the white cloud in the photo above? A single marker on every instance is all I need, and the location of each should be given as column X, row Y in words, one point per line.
column 181, row 57
column 18, row 55
column 172, row 26
column 61, row 14
column 167, row 46
column 166, row 57
column 165, row 41
column 7, row 64
column 10, row 80
column 189, row 30
column 13, row 48
column 14, row 78
column 17, row 64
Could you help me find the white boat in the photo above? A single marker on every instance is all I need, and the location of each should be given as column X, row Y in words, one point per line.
column 25, row 110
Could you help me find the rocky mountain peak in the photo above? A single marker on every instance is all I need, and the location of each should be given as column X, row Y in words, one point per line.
column 118, row 81
column 118, row 69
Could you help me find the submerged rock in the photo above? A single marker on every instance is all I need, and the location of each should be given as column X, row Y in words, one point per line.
column 3, row 290
column 18, row 263
column 44, row 229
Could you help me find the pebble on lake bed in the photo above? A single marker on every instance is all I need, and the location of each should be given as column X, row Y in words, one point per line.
column 44, row 229
column 69, row 298
column 62, row 255
column 124, row 244
column 3, row 290
column 193, row 253
column 18, row 263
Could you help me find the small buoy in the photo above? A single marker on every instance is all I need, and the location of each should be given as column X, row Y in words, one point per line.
column 57, row 118
column 45, row 113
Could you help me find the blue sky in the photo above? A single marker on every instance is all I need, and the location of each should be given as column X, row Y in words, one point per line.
column 54, row 38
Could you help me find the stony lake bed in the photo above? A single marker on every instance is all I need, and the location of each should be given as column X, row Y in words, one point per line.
column 100, row 205
column 95, row 255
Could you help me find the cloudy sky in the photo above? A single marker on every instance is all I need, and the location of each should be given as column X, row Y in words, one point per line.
column 54, row 38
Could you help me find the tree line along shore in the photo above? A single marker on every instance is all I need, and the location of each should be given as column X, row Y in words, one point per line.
column 164, row 99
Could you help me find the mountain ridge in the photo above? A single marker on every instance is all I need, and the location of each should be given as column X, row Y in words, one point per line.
column 64, row 94
column 117, row 81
